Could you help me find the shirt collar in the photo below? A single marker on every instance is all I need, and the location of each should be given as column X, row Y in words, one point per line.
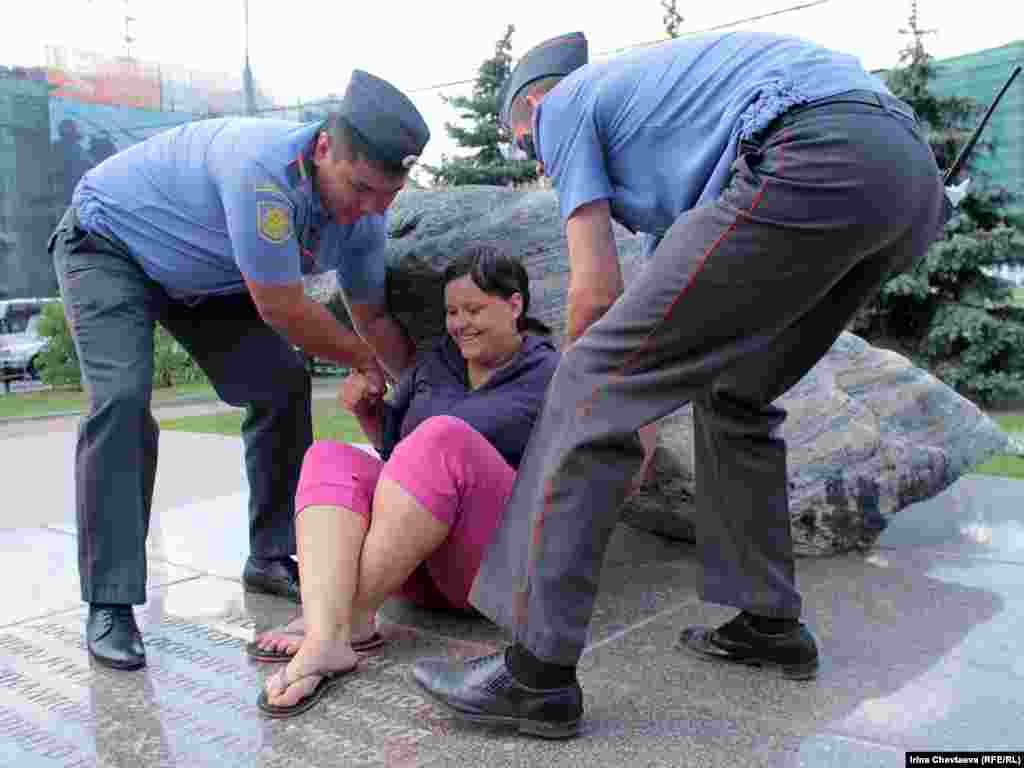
column 301, row 172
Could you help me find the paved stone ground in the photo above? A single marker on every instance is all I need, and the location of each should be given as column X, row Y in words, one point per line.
column 921, row 642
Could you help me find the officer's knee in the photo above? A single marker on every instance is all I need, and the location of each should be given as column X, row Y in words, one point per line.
column 282, row 384
column 127, row 399
column 734, row 411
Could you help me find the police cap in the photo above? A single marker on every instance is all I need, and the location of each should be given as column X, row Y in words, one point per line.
column 385, row 118
column 555, row 57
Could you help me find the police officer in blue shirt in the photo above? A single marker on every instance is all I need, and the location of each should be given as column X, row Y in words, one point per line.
column 780, row 185
column 208, row 229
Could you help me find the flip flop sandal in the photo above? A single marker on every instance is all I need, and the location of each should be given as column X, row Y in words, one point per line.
column 328, row 680
column 268, row 654
column 376, row 640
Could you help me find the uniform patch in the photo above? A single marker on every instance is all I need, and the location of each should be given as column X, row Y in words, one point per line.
column 273, row 222
column 268, row 187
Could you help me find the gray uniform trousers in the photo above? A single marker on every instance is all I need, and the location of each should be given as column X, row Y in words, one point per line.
column 741, row 298
column 112, row 306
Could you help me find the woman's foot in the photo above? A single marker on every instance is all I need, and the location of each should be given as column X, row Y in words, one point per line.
column 288, row 638
column 306, row 669
column 282, row 640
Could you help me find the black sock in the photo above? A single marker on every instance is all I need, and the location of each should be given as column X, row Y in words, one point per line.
column 109, row 605
column 534, row 673
column 769, row 625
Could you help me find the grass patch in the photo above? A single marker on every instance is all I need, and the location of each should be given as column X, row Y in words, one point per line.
column 22, row 404
column 1005, row 466
column 37, row 403
column 330, row 422
column 1018, row 296
column 1009, row 422
column 1002, row 466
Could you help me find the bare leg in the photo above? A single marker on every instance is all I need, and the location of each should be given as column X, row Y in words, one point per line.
column 402, row 535
column 329, row 541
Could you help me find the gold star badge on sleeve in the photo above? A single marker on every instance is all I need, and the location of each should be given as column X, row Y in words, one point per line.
column 273, row 221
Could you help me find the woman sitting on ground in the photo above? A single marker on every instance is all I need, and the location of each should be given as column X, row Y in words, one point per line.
column 417, row 523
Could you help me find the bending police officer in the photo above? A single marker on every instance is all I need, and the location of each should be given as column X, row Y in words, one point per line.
column 208, row 229
column 779, row 185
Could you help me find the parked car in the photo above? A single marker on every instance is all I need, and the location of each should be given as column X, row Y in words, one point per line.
column 20, row 342
column 318, row 366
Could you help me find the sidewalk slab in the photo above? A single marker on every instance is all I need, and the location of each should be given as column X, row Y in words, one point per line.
column 920, row 641
column 41, row 573
column 190, row 467
column 978, row 516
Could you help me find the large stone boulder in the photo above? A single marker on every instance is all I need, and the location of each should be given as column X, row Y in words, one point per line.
column 868, row 432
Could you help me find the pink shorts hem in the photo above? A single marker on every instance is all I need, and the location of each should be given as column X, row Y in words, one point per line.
column 339, row 475
column 333, row 495
column 408, row 478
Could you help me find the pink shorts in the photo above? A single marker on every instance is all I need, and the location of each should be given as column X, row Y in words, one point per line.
column 450, row 469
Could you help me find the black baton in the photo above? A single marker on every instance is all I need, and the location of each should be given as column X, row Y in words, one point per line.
column 961, row 158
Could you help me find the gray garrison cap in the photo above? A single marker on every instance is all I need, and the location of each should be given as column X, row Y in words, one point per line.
column 385, row 118
column 557, row 56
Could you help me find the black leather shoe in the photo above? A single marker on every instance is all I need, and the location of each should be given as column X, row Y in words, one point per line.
column 113, row 637
column 792, row 654
column 273, row 577
column 482, row 690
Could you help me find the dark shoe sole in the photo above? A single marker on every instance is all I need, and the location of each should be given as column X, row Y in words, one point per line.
column 698, row 643
column 124, row 666
column 540, row 728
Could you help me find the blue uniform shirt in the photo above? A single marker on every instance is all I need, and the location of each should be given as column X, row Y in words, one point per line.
column 209, row 203
column 655, row 131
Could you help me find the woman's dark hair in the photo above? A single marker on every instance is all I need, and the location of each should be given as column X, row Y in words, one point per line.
column 497, row 274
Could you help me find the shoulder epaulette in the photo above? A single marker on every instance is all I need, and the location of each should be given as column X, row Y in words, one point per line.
column 298, row 170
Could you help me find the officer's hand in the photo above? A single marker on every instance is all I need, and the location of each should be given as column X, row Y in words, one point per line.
column 366, row 363
column 359, row 393
column 376, row 379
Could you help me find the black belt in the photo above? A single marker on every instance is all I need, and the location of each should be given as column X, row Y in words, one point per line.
column 70, row 222
column 881, row 101
column 869, row 98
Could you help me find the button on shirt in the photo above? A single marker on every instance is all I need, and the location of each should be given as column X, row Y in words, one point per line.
column 206, row 205
column 655, row 131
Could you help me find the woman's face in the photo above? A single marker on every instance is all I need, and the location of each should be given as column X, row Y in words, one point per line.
column 483, row 326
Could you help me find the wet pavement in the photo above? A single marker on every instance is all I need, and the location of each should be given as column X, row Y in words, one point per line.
column 921, row 641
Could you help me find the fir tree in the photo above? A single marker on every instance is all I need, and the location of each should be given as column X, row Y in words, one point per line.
column 482, row 132
column 947, row 313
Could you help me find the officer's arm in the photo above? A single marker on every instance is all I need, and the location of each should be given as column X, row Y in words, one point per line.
column 310, row 325
column 382, row 332
column 595, row 278
column 595, row 282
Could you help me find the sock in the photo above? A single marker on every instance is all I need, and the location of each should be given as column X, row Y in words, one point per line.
column 768, row 625
column 98, row 606
column 534, row 673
